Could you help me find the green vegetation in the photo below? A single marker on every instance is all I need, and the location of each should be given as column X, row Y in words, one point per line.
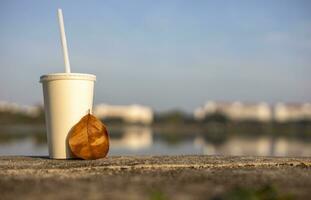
column 20, row 118
column 217, row 117
column 158, row 195
column 267, row 192
column 173, row 117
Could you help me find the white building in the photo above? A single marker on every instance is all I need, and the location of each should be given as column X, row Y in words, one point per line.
column 32, row 111
column 235, row 111
column 292, row 112
column 131, row 113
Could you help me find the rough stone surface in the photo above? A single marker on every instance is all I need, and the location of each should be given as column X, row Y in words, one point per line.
column 150, row 177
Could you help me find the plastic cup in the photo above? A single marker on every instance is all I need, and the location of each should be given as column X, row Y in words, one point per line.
column 67, row 98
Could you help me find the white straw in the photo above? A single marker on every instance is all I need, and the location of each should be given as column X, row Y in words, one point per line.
column 64, row 41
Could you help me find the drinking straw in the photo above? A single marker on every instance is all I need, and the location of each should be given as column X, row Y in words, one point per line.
column 63, row 39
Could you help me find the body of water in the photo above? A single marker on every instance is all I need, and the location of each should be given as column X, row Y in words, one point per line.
column 136, row 140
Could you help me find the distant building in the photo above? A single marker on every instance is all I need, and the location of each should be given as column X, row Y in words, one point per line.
column 31, row 111
column 235, row 111
column 292, row 112
column 131, row 113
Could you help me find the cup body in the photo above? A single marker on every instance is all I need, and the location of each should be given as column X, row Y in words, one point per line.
column 67, row 98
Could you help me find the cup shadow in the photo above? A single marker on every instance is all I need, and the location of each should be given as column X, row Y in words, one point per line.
column 48, row 158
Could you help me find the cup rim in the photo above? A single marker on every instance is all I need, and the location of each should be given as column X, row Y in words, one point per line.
column 67, row 76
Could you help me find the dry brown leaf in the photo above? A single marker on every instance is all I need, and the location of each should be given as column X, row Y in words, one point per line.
column 89, row 138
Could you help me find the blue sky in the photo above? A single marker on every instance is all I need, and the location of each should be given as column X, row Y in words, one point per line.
column 165, row 54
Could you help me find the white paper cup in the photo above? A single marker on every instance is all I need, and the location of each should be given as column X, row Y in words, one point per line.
column 67, row 98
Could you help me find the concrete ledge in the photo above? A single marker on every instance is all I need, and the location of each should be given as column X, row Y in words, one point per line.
column 162, row 177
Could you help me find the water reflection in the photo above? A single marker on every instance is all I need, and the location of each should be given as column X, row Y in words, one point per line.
column 261, row 146
column 23, row 146
column 133, row 138
column 141, row 140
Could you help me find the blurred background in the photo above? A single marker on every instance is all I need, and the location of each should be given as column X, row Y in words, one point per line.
column 173, row 77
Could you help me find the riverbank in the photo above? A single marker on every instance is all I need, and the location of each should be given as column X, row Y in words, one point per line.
column 155, row 177
column 215, row 133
